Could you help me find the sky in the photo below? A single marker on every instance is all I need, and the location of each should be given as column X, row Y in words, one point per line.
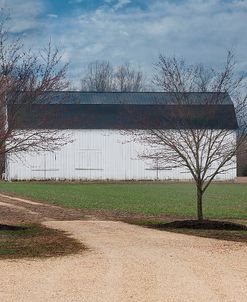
column 134, row 31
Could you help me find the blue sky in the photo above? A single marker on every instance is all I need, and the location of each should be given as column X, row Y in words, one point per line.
column 134, row 31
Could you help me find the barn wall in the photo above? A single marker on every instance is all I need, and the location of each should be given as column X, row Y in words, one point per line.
column 95, row 155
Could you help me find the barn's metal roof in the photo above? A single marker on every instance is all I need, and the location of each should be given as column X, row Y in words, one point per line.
column 128, row 110
column 135, row 98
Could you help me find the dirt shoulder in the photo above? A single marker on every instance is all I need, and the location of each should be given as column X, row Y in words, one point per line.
column 18, row 210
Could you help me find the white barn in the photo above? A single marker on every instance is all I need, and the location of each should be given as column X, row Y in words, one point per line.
column 99, row 151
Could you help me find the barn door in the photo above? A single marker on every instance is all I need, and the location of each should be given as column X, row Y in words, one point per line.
column 44, row 166
column 89, row 164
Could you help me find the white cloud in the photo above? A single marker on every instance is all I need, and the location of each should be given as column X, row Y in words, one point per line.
column 241, row 4
column 52, row 16
column 23, row 13
column 94, row 48
column 121, row 3
column 76, row 1
column 198, row 30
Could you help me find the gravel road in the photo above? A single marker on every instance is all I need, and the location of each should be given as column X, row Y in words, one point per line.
column 130, row 263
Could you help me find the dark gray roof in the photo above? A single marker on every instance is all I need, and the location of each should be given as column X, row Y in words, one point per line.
column 135, row 98
column 128, row 110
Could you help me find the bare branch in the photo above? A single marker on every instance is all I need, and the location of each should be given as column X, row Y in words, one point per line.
column 205, row 150
column 24, row 79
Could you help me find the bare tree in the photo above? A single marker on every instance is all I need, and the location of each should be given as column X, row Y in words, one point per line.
column 102, row 77
column 203, row 149
column 24, row 80
column 128, row 78
column 99, row 77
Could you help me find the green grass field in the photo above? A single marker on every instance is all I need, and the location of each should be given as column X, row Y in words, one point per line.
column 221, row 200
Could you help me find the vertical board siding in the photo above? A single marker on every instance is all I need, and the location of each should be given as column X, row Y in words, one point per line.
column 95, row 155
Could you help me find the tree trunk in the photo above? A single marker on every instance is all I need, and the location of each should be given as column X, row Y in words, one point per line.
column 199, row 204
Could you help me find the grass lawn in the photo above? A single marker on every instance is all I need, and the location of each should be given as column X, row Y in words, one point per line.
column 176, row 199
column 35, row 241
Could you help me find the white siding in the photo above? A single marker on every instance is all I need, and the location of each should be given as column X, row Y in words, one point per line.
column 94, row 155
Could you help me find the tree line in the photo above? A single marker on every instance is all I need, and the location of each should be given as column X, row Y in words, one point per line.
column 101, row 76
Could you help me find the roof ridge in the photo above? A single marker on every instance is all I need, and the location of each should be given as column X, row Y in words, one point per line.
column 154, row 92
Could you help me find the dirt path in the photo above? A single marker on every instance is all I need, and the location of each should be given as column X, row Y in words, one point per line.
column 130, row 263
column 14, row 210
column 46, row 211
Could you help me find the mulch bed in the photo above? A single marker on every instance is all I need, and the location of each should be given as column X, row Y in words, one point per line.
column 205, row 225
